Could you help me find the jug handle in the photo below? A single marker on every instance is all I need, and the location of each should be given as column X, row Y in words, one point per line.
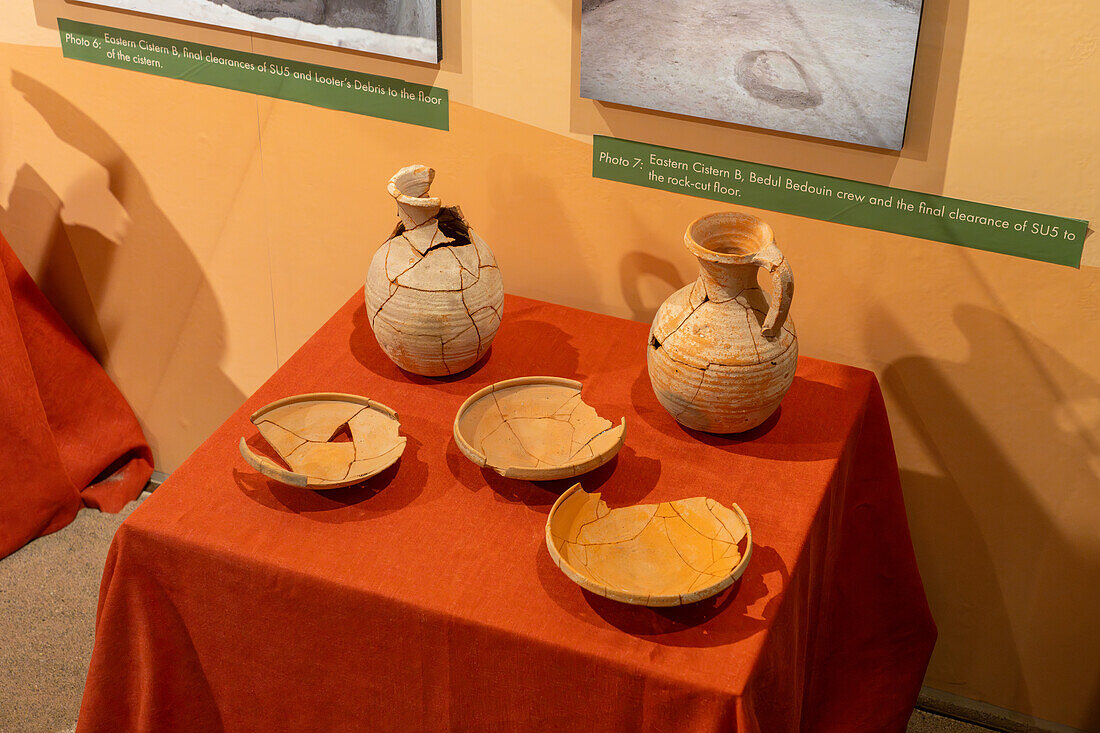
column 772, row 260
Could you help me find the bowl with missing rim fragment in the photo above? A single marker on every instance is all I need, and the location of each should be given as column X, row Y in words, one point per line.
column 326, row 439
column 535, row 428
column 667, row 554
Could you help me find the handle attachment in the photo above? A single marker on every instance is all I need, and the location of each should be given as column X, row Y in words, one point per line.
column 772, row 260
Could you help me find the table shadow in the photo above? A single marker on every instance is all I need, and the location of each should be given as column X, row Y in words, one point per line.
column 541, row 495
column 720, row 620
column 783, row 436
column 379, row 495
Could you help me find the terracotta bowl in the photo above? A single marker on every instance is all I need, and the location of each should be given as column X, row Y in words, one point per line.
column 306, row 431
column 535, row 428
column 667, row 554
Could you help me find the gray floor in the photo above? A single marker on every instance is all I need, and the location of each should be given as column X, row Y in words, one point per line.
column 48, row 593
column 925, row 722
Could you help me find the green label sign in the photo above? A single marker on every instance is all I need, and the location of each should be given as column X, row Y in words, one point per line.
column 322, row 86
column 980, row 226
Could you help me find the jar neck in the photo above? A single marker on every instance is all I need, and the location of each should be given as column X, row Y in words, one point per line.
column 724, row 281
column 416, row 215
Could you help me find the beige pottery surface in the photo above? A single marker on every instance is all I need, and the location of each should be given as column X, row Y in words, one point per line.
column 303, row 430
column 666, row 554
column 721, row 354
column 434, row 293
column 535, row 428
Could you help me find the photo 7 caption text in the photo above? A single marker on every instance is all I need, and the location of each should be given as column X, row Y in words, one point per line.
column 700, row 178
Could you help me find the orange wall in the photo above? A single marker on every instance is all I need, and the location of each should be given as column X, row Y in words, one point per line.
column 195, row 237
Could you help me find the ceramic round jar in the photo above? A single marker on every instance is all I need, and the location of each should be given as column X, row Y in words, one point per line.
column 434, row 292
column 721, row 355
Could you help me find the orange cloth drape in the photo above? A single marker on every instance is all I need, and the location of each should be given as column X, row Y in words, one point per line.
column 67, row 437
column 425, row 599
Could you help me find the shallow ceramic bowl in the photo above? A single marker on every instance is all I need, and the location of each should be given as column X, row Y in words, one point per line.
column 535, row 428
column 667, row 554
column 305, row 430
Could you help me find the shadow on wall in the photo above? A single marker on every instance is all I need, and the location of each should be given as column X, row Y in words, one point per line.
column 133, row 300
column 647, row 279
column 1007, row 536
column 638, row 267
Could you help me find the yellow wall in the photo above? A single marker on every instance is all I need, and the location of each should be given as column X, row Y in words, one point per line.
column 196, row 236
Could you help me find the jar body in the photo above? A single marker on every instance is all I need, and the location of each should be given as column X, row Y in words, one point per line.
column 434, row 306
column 720, row 355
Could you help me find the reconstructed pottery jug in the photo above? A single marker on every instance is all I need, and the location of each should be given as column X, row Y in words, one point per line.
column 720, row 356
column 434, row 292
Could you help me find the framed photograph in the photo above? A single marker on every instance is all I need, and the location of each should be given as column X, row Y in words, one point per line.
column 408, row 29
column 836, row 69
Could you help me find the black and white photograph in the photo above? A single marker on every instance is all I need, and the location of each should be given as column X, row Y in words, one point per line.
column 835, row 69
column 408, row 29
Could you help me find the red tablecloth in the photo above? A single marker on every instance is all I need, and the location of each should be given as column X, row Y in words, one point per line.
column 425, row 599
column 68, row 437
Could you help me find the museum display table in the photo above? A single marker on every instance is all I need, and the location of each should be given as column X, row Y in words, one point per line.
column 425, row 598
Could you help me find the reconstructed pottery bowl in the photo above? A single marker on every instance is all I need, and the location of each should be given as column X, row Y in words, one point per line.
column 305, row 431
column 535, row 428
column 667, row 554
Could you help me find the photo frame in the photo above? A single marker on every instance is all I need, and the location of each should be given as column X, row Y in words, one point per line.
column 407, row 29
column 835, row 69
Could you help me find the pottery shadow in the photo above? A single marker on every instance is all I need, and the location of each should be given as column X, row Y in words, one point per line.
column 726, row 618
column 637, row 265
column 396, row 487
column 724, row 439
column 364, row 347
column 541, row 495
column 517, row 340
column 982, row 504
column 783, row 436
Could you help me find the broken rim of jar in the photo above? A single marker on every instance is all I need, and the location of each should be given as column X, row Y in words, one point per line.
column 629, row 554
column 535, row 428
column 301, row 430
column 409, row 187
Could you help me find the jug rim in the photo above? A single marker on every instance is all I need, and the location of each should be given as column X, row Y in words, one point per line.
column 728, row 237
